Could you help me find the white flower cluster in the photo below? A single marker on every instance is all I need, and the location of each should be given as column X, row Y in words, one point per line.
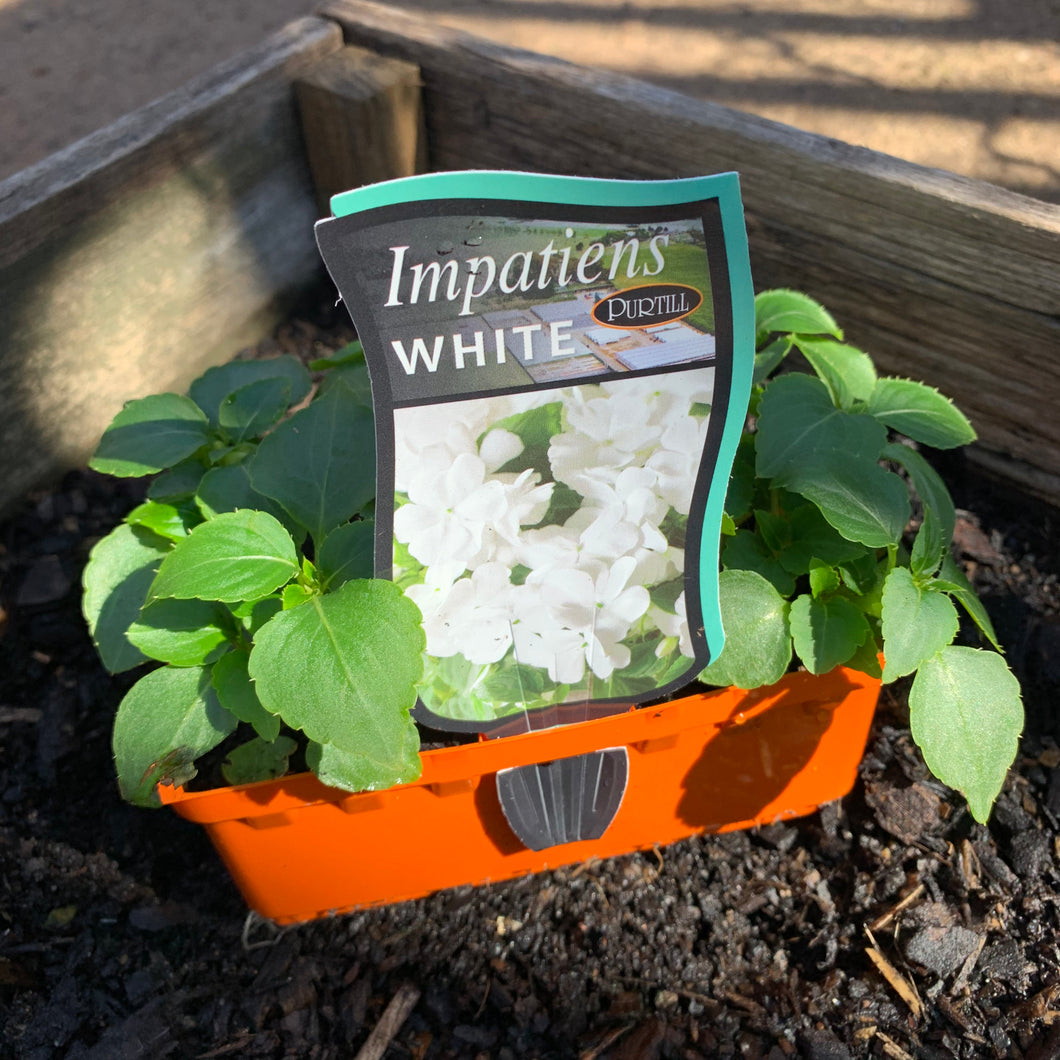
column 630, row 449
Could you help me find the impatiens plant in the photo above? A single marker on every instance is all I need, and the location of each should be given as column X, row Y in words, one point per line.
column 247, row 576
column 816, row 563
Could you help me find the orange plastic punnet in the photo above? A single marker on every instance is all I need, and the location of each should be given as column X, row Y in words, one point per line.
column 713, row 762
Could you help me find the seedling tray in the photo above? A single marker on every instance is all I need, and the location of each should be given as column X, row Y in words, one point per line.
column 711, row 762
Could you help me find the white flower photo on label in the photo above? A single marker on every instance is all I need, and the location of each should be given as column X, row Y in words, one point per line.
column 542, row 536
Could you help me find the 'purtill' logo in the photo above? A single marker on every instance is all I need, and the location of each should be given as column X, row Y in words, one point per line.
column 647, row 306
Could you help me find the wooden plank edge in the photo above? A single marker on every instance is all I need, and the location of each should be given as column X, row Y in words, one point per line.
column 390, row 30
column 36, row 202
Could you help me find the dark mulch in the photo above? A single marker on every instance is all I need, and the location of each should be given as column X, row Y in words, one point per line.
column 889, row 924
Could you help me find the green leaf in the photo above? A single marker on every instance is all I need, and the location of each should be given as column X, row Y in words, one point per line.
column 351, row 353
column 348, row 552
column 355, row 378
column 920, row 412
column 215, row 384
column 180, row 632
column 928, row 548
column 747, row 551
column 294, row 595
column 757, row 641
column 814, row 538
column 177, row 484
column 166, row 721
column 967, row 597
column 846, row 371
column 917, row 622
column 823, row 579
column 228, row 489
column 797, row 422
column 728, row 527
column 235, row 690
column 171, row 521
column 233, row 557
column 829, row 456
column 343, row 668
column 740, row 496
column 116, row 580
column 253, row 614
column 788, row 311
column 320, row 464
column 253, row 409
column 338, row 768
column 966, row 715
column 826, row 633
column 866, row 659
column 929, row 486
column 258, row 759
column 149, row 435
column 769, row 357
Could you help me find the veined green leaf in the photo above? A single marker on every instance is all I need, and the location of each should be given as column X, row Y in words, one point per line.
column 354, row 377
column 171, row 521
column 233, row 557
column 917, row 623
column 167, row 719
column 348, row 552
column 117, row 577
column 757, row 641
column 253, row 409
column 351, row 353
column 967, row 597
column 966, row 715
column 343, row 668
column 846, row 371
column 320, row 464
column 814, row 538
column 216, row 384
column 231, row 681
column 787, row 311
column 149, row 435
column 180, row 632
column 928, row 548
column 829, row 456
column 257, row 760
column 228, row 489
column 338, row 768
column 747, row 551
column 178, row 483
column 769, row 357
column 826, row 633
column 823, row 579
column 929, row 486
column 920, row 412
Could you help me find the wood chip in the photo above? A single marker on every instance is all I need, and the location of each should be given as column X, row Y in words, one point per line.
column 901, row 985
column 908, row 900
column 966, row 968
column 392, row 1020
column 892, row 1048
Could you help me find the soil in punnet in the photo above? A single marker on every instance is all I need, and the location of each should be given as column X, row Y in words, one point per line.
column 888, row 924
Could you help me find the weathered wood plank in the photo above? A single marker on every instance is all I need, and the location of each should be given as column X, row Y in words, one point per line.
column 142, row 254
column 941, row 277
column 362, row 121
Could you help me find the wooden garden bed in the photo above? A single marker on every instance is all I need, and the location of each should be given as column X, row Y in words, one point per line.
column 174, row 237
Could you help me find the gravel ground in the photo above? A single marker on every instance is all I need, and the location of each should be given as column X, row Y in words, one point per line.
column 889, row 924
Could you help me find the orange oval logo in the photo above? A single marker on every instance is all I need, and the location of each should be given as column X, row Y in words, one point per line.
column 647, row 306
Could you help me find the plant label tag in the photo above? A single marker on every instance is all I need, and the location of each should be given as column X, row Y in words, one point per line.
column 560, row 371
